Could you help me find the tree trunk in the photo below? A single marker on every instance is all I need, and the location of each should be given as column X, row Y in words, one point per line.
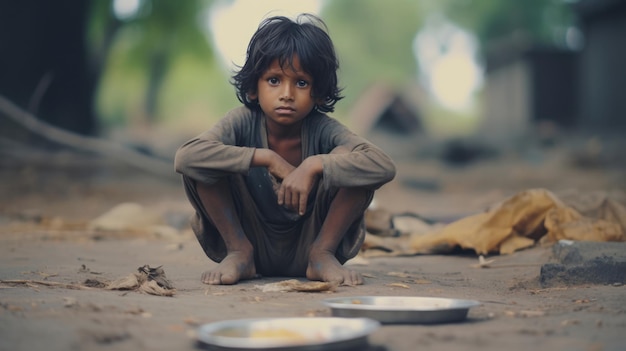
column 159, row 62
column 44, row 61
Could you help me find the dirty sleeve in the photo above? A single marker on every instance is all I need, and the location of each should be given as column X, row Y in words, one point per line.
column 219, row 151
column 363, row 165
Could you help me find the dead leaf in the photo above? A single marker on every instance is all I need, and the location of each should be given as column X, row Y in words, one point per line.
column 95, row 283
column 157, row 274
column 192, row 321
column 531, row 313
column 129, row 282
column 137, row 311
column 296, row 285
column 153, row 288
column 399, row 274
column 524, row 314
column 398, row 285
column 570, row 322
column 84, row 269
column 315, row 286
column 149, row 280
column 70, row 302
column 11, row 308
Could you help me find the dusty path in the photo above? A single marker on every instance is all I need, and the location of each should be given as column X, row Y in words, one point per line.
column 516, row 313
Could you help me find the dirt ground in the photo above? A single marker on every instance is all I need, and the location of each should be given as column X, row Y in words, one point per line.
column 45, row 245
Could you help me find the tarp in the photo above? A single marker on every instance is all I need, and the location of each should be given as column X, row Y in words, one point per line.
column 521, row 221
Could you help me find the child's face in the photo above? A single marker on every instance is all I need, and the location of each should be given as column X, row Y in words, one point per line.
column 284, row 94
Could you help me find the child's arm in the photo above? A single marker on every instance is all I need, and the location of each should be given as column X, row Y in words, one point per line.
column 276, row 165
column 219, row 151
column 364, row 166
column 341, row 158
column 297, row 182
column 352, row 161
column 296, row 187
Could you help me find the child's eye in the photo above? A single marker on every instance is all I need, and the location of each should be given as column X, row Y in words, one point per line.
column 302, row 84
column 273, row 81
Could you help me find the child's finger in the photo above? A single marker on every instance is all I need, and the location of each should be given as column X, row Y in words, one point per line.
column 295, row 200
column 302, row 205
column 281, row 195
column 287, row 200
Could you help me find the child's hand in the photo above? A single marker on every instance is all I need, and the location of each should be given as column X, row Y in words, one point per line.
column 296, row 187
column 280, row 168
column 276, row 165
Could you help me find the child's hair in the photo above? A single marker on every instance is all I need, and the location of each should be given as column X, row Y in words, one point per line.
column 281, row 38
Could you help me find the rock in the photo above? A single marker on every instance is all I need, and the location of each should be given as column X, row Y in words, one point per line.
column 585, row 262
column 126, row 216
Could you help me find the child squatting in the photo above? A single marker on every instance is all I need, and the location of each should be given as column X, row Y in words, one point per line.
column 280, row 188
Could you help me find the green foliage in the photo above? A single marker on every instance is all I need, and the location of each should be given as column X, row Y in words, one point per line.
column 540, row 22
column 170, row 26
column 136, row 56
column 196, row 96
column 374, row 41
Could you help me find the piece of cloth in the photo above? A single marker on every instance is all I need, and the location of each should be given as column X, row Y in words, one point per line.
column 523, row 220
column 281, row 238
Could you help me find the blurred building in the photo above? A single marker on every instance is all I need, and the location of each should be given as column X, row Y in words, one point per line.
column 529, row 86
column 390, row 118
column 602, row 66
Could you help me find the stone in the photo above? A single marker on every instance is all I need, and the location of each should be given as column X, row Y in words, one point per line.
column 585, row 262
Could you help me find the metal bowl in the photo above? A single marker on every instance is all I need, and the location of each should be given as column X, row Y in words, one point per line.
column 315, row 333
column 401, row 309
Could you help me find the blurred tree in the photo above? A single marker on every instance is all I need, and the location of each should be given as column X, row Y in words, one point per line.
column 535, row 22
column 54, row 53
column 374, row 40
column 155, row 35
column 44, row 63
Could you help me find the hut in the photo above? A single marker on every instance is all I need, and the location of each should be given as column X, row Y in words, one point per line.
column 526, row 86
column 601, row 65
column 389, row 118
column 579, row 90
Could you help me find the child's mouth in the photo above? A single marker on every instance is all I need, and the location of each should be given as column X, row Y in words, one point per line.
column 285, row 110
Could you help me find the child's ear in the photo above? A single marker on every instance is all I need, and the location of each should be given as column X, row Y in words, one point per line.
column 252, row 96
column 319, row 102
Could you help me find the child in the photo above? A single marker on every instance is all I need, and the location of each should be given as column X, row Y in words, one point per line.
column 280, row 188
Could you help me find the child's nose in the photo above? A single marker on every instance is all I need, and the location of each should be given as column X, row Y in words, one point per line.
column 287, row 93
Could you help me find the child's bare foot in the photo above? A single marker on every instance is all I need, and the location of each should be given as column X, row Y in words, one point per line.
column 236, row 266
column 324, row 266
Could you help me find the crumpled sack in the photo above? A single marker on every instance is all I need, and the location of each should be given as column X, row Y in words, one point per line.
column 523, row 220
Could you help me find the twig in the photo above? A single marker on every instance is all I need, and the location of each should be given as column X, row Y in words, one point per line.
column 42, row 86
column 29, row 282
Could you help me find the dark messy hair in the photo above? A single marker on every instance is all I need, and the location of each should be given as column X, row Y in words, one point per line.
column 281, row 38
